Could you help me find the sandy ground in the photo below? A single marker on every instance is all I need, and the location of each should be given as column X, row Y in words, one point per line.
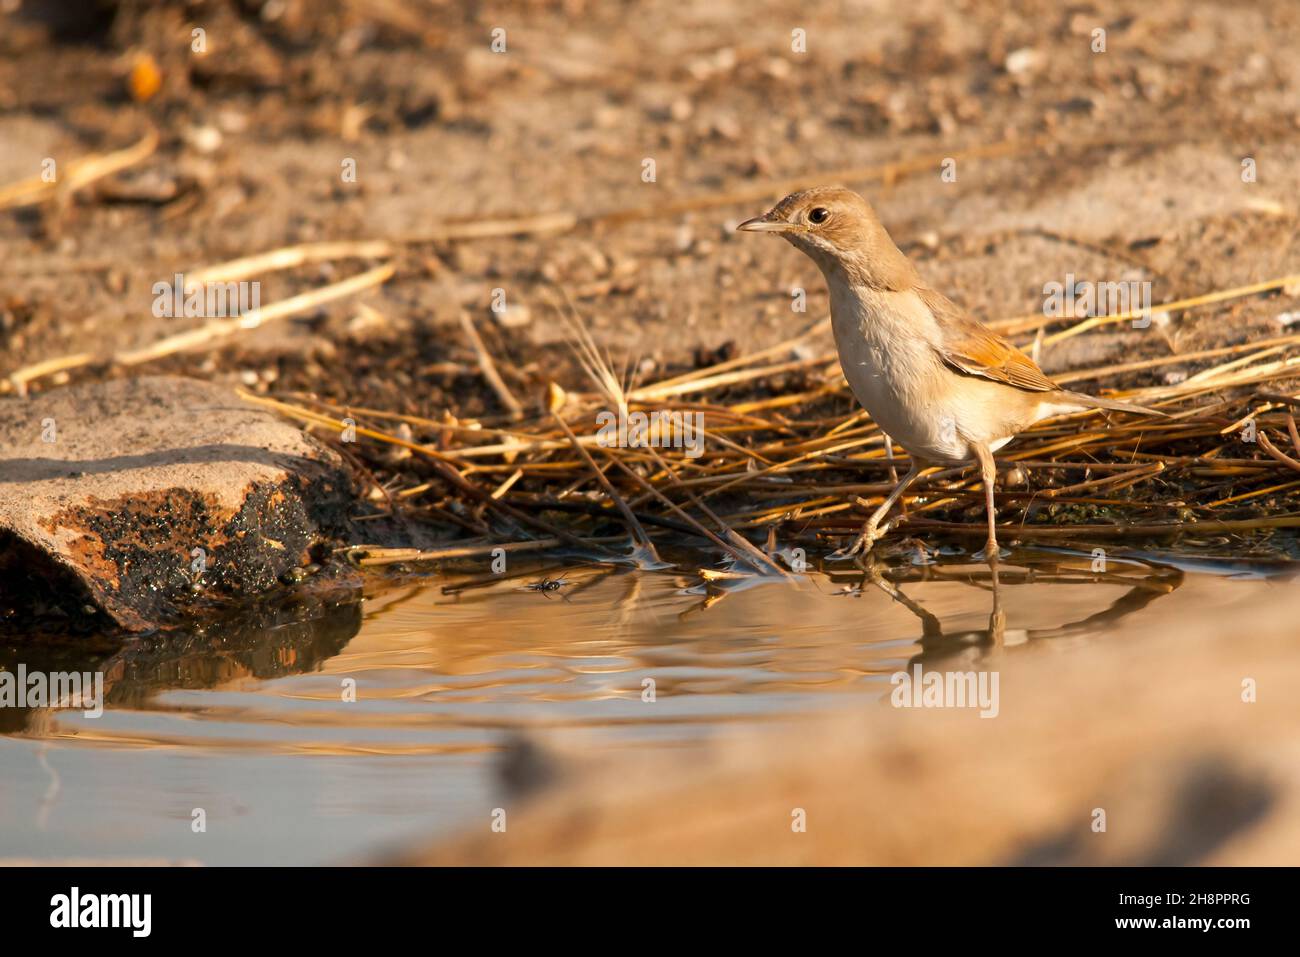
column 1122, row 164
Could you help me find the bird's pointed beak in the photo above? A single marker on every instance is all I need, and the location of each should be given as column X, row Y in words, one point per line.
column 765, row 224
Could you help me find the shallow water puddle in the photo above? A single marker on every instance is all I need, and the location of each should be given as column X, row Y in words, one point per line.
column 249, row 720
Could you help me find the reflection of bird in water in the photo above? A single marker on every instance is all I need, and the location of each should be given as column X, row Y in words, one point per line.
column 51, row 794
column 1145, row 581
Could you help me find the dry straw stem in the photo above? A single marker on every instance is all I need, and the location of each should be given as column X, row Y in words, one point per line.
column 289, row 257
column 379, row 555
column 1038, row 321
column 755, row 556
column 17, row 381
column 441, row 463
column 489, row 369
column 1277, row 453
column 678, row 510
column 802, row 468
column 215, row 329
column 78, row 173
column 1122, row 529
column 597, row 367
column 635, row 526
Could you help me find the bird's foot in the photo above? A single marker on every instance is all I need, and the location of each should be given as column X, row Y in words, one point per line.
column 991, row 552
column 862, row 544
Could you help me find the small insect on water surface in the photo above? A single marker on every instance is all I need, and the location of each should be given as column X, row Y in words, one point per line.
column 548, row 585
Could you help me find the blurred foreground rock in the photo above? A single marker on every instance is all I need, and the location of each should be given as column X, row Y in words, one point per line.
column 144, row 498
column 1156, row 736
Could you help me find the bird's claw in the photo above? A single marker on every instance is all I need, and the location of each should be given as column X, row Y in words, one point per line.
column 844, row 554
column 862, row 544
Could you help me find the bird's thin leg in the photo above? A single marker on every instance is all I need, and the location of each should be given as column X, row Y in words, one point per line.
column 871, row 531
column 998, row 616
column 989, row 475
column 931, row 627
column 889, row 456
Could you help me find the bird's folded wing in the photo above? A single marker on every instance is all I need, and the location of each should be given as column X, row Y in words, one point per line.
column 969, row 348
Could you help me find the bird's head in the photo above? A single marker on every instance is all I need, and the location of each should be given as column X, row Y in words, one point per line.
column 839, row 231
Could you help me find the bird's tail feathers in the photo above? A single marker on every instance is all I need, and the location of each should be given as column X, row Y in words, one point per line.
column 1093, row 402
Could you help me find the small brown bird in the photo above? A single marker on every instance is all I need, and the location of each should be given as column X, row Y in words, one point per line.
column 931, row 376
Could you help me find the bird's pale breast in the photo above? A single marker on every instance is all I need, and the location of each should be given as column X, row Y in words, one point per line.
column 886, row 346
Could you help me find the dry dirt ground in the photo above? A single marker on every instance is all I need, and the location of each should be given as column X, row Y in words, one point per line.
column 1115, row 165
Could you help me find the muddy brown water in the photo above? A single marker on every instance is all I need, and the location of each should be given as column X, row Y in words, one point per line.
column 248, row 720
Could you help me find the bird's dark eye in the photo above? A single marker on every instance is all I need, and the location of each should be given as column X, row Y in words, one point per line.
column 819, row 215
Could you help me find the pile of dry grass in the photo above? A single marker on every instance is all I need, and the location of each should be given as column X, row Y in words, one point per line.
column 787, row 451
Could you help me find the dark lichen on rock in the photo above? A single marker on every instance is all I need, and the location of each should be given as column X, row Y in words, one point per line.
column 156, row 499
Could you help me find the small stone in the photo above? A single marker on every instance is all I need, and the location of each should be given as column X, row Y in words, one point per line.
column 205, row 139
column 515, row 315
column 1022, row 61
column 294, row 575
column 777, row 68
